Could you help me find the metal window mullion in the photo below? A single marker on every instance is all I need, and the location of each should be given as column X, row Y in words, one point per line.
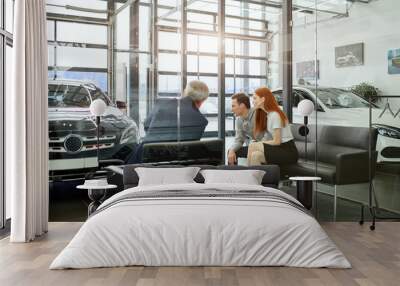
column 55, row 50
column 287, row 51
column 221, row 72
column 134, row 62
column 234, row 66
column 110, row 49
column 183, row 45
column 198, row 57
column 2, row 127
column 246, row 46
column 2, row 111
column 152, row 94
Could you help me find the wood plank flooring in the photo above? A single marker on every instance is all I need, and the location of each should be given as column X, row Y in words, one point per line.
column 375, row 257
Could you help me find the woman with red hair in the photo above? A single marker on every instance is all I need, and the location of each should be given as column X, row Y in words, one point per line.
column 271, row 119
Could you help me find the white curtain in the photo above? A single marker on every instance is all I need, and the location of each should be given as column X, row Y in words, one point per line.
column 27, row 125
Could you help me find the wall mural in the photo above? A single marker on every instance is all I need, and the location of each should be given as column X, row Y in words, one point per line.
column 350, row 55
column 394, row 61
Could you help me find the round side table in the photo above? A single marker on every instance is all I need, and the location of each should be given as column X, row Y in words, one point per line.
column 305, row 189
column 97, row 194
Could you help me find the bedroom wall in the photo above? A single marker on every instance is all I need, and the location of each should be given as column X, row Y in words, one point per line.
column 375, row 24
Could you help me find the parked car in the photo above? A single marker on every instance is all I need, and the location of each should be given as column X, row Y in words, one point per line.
column 72, row 130
column 341, row 107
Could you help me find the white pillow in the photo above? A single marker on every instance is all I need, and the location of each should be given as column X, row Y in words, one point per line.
column 166, row 176
column 248, row 177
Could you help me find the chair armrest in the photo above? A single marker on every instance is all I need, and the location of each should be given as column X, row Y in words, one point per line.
column 353, row 168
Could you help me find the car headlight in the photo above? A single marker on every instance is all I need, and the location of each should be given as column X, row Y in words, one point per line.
column 129, row 135
column 388, row 131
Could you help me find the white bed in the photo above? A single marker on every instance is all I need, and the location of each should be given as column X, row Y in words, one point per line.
column 188, row 231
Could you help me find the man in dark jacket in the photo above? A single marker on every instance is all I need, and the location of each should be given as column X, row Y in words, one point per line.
column 176, row 119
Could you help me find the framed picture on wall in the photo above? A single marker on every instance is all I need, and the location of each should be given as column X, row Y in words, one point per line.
column 350, row 55
column 306, row 70
column 394, row 61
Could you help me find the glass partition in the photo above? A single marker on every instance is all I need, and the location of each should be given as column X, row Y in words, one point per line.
column 140, row 55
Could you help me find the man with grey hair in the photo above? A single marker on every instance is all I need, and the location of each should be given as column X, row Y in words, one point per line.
column 175, row 119
column 183, row 113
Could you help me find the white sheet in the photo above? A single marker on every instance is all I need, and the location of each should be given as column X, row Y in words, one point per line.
column 193, row 231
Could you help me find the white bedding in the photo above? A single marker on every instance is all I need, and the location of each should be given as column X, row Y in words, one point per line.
column 200, row 231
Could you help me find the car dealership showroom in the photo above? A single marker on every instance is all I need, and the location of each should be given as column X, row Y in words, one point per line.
column 200, row 142
column 343, row 56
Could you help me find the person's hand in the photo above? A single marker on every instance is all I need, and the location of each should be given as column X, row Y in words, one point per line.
column 231, row 157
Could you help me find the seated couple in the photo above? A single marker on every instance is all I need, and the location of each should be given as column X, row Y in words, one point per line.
column 264, row 129
column 175, row 119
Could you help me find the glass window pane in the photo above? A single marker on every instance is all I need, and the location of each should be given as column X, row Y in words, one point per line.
column 169, row 41
column 60, row 7
column 121, row 31
column 8, row 69
column 144, row 28
column 208, row 44
column 192, row 42
column 208, row 64
column 169, row 85
column 51, row 50
column 192, row 64
column 229, row 66
column 9, row 11
column 61, row 95
column 212, row 83
column 81, row 57
column 229, row 46
column 97, row 78
column 169, row 62
column 50, row 30
column 81, row 33
column 200, row 21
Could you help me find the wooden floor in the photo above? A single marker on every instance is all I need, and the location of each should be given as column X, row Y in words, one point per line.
column 375, row 257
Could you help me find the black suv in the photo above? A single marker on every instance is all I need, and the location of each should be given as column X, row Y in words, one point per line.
column 72, row 130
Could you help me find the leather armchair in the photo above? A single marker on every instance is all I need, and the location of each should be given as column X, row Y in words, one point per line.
column 341, row 154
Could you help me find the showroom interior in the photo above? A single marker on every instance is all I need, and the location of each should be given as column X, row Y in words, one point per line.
column 342, row 55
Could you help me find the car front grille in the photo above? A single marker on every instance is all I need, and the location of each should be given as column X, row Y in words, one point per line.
column 74, row 143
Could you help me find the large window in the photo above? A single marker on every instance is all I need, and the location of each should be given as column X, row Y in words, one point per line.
column 6, row 43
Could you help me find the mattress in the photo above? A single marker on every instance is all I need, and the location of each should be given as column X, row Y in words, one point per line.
column 201, row 225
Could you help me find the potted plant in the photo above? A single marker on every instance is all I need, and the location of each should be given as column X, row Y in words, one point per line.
column 366, row 90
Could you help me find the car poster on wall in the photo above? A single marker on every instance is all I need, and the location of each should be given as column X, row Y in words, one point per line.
column 394, row 61
column 306, row 70
column 350, row 55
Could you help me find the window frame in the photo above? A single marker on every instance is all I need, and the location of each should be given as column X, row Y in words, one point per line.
column 6, row 39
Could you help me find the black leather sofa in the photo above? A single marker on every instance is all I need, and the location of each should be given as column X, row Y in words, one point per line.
column 205, row 152
column 337, row 154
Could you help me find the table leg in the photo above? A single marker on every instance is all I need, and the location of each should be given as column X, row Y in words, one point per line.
column 96, row 196
column 305, row 192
